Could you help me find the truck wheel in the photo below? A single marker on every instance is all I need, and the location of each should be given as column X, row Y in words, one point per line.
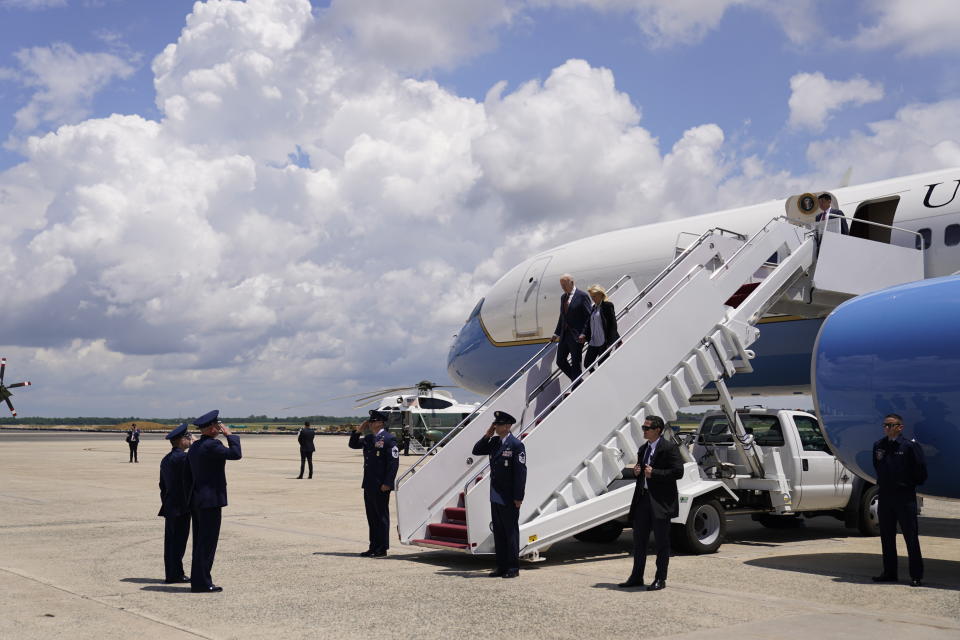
column 705, row 527
column 602, row 533
column 869, row 520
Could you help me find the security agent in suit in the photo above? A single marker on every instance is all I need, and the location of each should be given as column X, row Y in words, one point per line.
column 900, row 467
column 305, row 438
column 381, row 459
column 175, row 483
column 655, row 503
column 825, row 200
column 574, row 314
column 508, row 479
column 133, row 441
column 207, row 458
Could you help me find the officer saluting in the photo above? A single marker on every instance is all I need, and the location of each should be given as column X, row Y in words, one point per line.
column 207, row 458
column 381, row 459
column 900, row 468
column 508, row 479
column 175, row 503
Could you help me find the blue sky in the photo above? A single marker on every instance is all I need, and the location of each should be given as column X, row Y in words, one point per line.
column 133, row 229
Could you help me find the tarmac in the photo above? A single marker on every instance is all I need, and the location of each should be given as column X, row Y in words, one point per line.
column 81, row 556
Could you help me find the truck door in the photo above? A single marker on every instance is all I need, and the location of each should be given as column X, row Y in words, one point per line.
column 825, row 483
column 528, row 293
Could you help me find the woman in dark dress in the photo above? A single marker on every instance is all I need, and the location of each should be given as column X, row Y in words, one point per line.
column 601, row 329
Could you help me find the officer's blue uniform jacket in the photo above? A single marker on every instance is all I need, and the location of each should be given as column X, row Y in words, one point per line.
column 207, row 458
column 174, row 484
column 508, row 467
column 900, row 465
column 381, row 458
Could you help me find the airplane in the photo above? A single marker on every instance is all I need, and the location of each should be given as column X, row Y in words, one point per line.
column 517, row 316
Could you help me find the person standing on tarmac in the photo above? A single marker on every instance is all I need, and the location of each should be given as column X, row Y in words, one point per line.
column 305, row 438
column 175, row 503
column 208, row 459
column 133, row 440
column 900, row 468
column 381, row 459
column 508, row 480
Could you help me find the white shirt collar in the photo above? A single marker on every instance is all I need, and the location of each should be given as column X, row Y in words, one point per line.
column 379, row 432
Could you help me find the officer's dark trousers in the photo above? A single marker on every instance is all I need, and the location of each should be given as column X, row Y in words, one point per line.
column 643, row 523
column 377, row 504
column 206, row 533
column 506, row 535
column 133, row 451
column 894, row 509
column 569, row 356
column 306, row 456
column 176, row 532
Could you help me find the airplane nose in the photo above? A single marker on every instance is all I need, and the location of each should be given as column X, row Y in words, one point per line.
column 475, row 363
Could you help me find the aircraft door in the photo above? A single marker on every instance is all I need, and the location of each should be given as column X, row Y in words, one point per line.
column 528, row 293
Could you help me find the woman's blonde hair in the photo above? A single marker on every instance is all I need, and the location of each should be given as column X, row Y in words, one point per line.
column 598, row 289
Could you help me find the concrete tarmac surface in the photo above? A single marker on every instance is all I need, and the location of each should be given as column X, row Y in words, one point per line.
column 81, row 556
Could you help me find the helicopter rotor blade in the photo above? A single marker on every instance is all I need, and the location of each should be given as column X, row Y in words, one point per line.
column 12, row 410
column 3, row 368
column 19, row 384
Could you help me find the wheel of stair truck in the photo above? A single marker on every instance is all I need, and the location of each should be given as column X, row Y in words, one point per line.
column 705, row 527
column 602, row 533
column 869, row 520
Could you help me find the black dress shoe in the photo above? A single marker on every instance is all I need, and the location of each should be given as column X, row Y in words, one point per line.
column 210, row 589
column 511, row 574
column 496, row 574
column 656, row 585
column 299, row 477
column 631, row 583
column 180, row 579
column 366, row 554
column 884, row 578
column 916, row 582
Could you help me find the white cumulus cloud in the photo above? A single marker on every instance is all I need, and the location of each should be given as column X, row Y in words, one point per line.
column 33, row 4
column 916, row 28
column 813, row 97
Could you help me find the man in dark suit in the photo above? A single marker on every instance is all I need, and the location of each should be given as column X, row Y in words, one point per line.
column 508, row 480
column 133, row 441
column 574, row 314
column 381, row 459
column 826, row 211
column 208, row 458
column 175, row 503
column 900, row 467
column 305, row 438
column 659, row 466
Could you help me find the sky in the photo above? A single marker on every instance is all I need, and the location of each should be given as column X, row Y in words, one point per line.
column 264, row 204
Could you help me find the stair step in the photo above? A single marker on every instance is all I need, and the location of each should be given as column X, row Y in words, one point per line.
column 441, row 544
column 447, row 530
column 455, row 515
column 742, row 294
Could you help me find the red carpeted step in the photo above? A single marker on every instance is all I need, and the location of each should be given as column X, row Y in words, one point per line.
column 441, row 544
column 447, row 531
column 455, row 515
column 741, row 294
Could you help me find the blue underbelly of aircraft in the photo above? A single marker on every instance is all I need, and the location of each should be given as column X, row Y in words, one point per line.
column 783, row 358
column 894, row 351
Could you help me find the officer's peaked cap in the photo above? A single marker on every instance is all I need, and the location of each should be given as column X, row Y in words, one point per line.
column 502, row 417
column 377, row 416
column 177, row 431
column 207, row 418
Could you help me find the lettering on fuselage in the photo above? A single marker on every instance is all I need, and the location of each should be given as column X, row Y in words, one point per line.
column 931, row 187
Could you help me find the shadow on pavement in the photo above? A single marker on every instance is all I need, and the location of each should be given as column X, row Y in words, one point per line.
column 940, row 527
column 857, row 568
column 143, row 580
column 168, row 588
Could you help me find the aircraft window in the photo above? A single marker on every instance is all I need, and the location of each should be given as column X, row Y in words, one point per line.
column 951, row 235
column 433, row 403
column 810, row 435
column 927, row 237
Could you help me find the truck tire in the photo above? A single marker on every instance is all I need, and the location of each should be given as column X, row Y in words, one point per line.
column 602, row 533
column 869, row 524
column 705, row 527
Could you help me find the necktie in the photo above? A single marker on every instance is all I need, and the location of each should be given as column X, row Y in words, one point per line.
column 566, row 303
column 646, row 461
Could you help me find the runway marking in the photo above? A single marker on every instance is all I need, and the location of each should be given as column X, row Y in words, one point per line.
column 106, row 604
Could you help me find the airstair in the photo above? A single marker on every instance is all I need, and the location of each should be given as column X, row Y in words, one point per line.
column 688, row 328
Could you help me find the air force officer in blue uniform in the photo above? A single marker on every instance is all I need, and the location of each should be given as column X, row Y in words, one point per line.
column 175, row 503
column 575, row 308
column 381, row 459
column 207, row 458
column 508, row 479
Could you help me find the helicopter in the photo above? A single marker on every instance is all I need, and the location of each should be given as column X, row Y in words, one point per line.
column 5, row 390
